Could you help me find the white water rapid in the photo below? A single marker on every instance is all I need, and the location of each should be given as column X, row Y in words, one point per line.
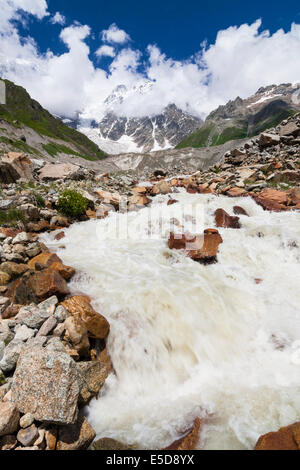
column 189, row 340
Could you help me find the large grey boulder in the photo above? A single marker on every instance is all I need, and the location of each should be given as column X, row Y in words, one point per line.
column 61, row 171
column 46, row 384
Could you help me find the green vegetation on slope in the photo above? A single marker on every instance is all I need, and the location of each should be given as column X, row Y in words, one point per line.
column 20, row 108
column 19, row 145
column 208, row 135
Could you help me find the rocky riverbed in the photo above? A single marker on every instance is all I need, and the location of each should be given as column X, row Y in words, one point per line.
column 53, row 343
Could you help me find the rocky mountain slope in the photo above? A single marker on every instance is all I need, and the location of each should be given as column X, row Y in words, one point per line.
column 116, row 134
column 26, row 126
column 245, row 118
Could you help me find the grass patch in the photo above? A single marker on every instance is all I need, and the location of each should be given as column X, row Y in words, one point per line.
column 20, row 108
column 53, row 149
column 11, row 216
column 19, row 145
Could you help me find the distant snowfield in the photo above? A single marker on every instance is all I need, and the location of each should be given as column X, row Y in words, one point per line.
column 125, row 144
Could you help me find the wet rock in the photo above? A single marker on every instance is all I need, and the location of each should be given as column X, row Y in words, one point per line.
column 190, row 440
column 239, row 211
column 46, row 259
column 272, row 199
column 94, row 375
column 60, row 236
column 77, row 334
column 110, row 444
column 106, row 197
column 224, row 220
column 67, row 272
column 206, row 247
column 46, row 384
column 235, row 192
column 78, row 436
column 172, row 201
column 28, row 436
column 80, row 307
column 9, row 418
column 46, row 283
column 287, row 438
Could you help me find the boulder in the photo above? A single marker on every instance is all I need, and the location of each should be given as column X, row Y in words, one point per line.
column 54, row 171
column 268, row 140
column 13, row 269
column 106, row 197
column 225, row 220
column 11, row 355
column 9, row 418
column 79, row 306
column 290, row 129
column 190, row 440
column 21, row 164
column 47, row 384
column 47, row 259
column 163, row 187
column 67, row 272
column 8, row 174
column 287, row 438
column 77, row 335
column 78, row 436
column 235, row 192
column 47, row 283
column 47, row 327
column 203, row 249
column 272, row 199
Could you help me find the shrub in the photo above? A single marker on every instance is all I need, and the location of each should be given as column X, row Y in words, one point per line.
column 40, row 201
column 71, row 203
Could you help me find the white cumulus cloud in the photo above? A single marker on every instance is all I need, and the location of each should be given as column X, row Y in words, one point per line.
column 115, row 35
column 242, row 59
column 105, row 51
column 58, row 18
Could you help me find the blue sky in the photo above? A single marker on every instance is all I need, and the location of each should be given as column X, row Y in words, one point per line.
column 71, row 55
column 177, row 27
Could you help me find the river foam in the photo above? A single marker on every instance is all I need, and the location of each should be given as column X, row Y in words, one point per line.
column 189, row 340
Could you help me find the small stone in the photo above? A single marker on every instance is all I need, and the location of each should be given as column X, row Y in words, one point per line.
column 23, row 333
column 51, row 439
column 61, row 314
column 47, row 327
column 28, row 436
column 11, row 356
column 26, row 420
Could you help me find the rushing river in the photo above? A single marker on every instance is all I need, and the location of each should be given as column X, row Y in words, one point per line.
column 189, row 340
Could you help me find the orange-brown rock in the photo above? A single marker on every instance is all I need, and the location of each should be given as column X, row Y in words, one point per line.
column 202, row 248
column 225, row 220
column 37, row 227
column 8, row 232
column 237, row 210
column 109, row 198
column 46, row 283
column 139, row 190
column 79, row 306
column 77, row 335
column 51, row 438
column 45, row 259
column 60, row 236
column 272, row 200
column 163, row 187
column 287, row 438
column 206, row 247
column 91, row 214
column 139, row 200
column 172, row 201
column 67, row 272
column 10, row 312
column 236, row 192
column 190, row 440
